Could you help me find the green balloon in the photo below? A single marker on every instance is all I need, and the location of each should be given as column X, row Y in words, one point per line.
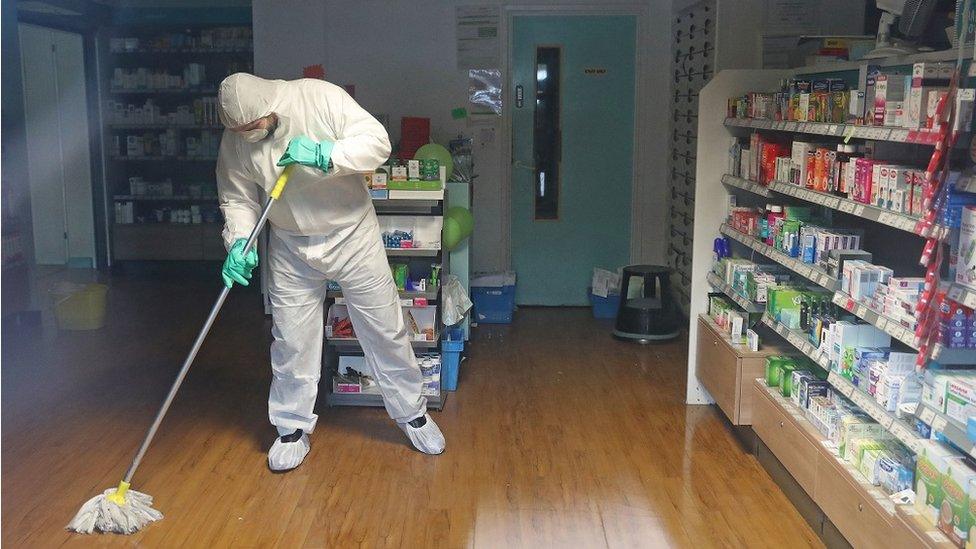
column 433, row 151
column 458, row 225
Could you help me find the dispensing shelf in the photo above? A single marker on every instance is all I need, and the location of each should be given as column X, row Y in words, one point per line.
column 163, row 158
column 881, row 322
column 429, row 295
column 352, row 343
column 898, row 428
column 160, row 126
column 873, row 133
column 798, row 340
column 963, row 295
column 747, row 185
column 174, row 198
column 950, row 429
column 374, row 400
column 166, row 91
column 889, row 218
column 818, row 276
column 412, row 252
column 748, row 306
column 950, row 356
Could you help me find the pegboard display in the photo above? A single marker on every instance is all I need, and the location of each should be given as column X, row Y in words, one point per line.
column 693, row 64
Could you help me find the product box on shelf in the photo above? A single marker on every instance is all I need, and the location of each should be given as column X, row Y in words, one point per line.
column 954, row 517
column 966, row 262
column 933, row 464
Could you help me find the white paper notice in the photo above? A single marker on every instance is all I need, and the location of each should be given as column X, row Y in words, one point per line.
column 477, row 36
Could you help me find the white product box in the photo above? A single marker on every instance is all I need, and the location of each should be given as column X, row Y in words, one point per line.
column 964, row 109
column 961, row 399
column 966, row 262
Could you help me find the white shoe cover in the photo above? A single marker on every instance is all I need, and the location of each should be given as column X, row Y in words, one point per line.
column 428, row 439
column 288, row 455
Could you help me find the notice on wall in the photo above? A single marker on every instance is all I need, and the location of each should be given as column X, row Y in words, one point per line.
column 791, row 16
column 477, row 36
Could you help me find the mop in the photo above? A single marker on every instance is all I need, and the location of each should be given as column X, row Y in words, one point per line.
column 125, row 511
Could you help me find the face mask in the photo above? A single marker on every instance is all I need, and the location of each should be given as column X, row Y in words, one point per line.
column 258, row 134
column 255, row 135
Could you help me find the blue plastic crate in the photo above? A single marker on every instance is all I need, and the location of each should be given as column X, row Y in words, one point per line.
column 451, row 346
column 493, row 304
column 605, row 307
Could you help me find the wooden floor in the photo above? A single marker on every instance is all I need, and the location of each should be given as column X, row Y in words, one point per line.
column 559, row 436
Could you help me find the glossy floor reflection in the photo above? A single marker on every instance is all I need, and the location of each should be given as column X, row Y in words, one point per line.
column 559, row 436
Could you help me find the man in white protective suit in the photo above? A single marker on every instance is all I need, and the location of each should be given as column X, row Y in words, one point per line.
column 323, row 228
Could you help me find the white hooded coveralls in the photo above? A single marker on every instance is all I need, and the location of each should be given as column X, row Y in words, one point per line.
column 323, row 228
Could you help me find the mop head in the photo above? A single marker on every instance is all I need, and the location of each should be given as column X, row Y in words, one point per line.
column 117, row 510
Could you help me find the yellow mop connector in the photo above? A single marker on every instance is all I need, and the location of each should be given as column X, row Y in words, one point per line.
column 118, row 497
column 279, row 186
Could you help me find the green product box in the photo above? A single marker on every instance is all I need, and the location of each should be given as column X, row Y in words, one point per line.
column 717, row 305
column 971, row 492
column 786, row 380
column 930, row 469
column 954, row 517
column 401, row 272
column 430, row 169
column 798, row 213
column 774, row 370
column 783, row 297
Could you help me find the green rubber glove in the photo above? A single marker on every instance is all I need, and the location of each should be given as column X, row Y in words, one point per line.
column 304, row 151
column 237, row 267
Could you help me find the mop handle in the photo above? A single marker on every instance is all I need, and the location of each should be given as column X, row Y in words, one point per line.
column 274, row 195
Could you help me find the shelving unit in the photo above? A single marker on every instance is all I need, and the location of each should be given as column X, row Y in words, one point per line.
column 149, row 233
column 889, row 218
column 337, row 346
column 873, row 133
column 821, row 479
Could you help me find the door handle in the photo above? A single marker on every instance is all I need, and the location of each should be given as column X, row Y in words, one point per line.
column 523, row 165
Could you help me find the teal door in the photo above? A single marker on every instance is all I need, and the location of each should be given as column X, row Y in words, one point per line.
column 572, row 152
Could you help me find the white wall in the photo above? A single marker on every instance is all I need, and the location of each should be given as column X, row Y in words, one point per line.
column 401, row 58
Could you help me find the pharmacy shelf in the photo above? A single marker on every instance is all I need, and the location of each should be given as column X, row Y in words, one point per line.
column 867, row 490
column 747, row 306
column 374, row 400
column 925, row 532
column 412, row 252
column 880, row 321
column 352, row 343
column 747, row 185
column 950, row 429
column 897, row 427
column 949, row 356
column 885, row 217
column 164, row 51
column 798, row 340
column 165, row 91
column 429, row 295
column 174, row 198
column 873, row 133
column 181, row 158
column 961, row 294
column 814, row 274
column 161, row 126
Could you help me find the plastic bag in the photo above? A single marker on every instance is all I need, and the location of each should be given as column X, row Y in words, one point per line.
column 456, row 301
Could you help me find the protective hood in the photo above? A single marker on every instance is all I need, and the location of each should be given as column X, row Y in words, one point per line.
column 243, row 98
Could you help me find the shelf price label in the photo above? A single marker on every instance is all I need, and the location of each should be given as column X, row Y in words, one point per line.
column 902, row 433
column 927, row 415
column 939, row 424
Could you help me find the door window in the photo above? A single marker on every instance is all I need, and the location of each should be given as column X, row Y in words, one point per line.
column 547, row 145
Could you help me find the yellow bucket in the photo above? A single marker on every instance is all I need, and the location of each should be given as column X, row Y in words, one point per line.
column 82, row 309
